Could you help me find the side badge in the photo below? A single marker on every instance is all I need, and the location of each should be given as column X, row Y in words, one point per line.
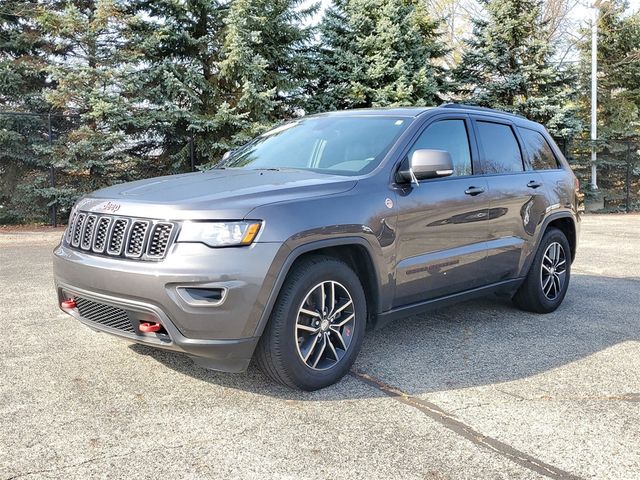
column 389, row 203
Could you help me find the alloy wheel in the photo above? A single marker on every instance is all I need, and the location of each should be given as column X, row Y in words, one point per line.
column 553, row 271
column 325, row 325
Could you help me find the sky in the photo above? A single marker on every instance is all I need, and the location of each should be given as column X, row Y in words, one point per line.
column 580, row 13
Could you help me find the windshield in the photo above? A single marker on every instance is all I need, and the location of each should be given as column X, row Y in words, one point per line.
column 337, row 145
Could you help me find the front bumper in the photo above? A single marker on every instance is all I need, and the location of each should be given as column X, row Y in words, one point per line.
column 219, row 335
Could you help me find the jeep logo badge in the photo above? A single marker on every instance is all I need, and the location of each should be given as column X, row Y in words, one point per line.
column 110, row 207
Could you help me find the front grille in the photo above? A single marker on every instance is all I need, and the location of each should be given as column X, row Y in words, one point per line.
column 134, row 238
column 106, row 315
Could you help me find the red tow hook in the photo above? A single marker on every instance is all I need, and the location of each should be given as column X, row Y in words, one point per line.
column 146, row 327
column 68, row 304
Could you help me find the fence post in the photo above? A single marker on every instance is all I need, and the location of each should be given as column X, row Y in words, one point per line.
column 53, row 210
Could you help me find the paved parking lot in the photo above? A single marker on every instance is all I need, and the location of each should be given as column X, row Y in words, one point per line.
column 480, row 390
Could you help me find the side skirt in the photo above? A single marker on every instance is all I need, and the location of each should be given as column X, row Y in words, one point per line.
column 506, row 287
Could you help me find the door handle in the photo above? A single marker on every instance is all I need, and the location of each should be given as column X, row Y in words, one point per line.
column 534, row 184
column 474, row 191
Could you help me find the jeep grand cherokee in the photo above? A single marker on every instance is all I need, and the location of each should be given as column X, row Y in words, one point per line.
column 321, row 227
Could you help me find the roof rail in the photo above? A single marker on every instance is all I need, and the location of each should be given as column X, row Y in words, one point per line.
column 478, row 108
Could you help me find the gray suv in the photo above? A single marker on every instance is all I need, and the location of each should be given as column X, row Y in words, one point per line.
column 297, row 242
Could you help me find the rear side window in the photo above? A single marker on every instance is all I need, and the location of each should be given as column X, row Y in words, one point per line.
column 501, row 149
column 450, row 136
column 539, row 153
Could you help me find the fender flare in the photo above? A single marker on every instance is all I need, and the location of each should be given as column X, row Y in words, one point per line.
column 297, row 253
column 543, row 228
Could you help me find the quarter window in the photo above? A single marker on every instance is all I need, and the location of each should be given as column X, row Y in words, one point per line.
column 501, row 150
column 539, row 153
column 450, row 136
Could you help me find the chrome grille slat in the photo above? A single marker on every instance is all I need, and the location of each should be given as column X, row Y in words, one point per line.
column 116, row 236
column 87, row 232
column 100, row 238
column 159, row 239
column 70, row 226
column 136, row 238
column 77, row 230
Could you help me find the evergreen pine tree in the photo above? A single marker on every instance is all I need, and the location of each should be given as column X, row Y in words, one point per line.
column 507, row 64
column 376, row 53
column 90, row 72
column 216, row 72
column 24, row 190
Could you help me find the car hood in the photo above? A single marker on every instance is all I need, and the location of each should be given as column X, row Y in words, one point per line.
column 214, row 194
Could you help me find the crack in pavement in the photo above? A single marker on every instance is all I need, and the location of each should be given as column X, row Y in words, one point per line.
column 87, row 461
column 452, row 423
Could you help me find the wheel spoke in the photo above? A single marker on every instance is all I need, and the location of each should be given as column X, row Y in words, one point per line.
column 311, row 313
column 342, row 307
column 321, row 351
column 332, row 301
column 556, row 281
column 306, row 328
column 346, row 320
column 332, row 348
column 323, row 303
column 551, row 284
column 338, row 335
column 314, row 342
column 548, row 269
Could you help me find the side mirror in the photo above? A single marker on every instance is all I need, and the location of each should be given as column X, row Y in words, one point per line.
column 425, row 164
column 226, row 155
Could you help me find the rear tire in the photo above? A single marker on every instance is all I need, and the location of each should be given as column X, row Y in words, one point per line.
column 316, row 327
column 545, row 286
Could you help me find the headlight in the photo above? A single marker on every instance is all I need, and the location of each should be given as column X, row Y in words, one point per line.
column 219, row 234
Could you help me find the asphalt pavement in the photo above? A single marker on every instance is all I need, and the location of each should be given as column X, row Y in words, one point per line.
column 477, row 391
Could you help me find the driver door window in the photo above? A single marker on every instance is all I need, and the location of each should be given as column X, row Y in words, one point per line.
column 451, row 136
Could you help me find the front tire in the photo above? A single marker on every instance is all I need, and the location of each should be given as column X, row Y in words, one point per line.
column 316, row 327
column 545, row 286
